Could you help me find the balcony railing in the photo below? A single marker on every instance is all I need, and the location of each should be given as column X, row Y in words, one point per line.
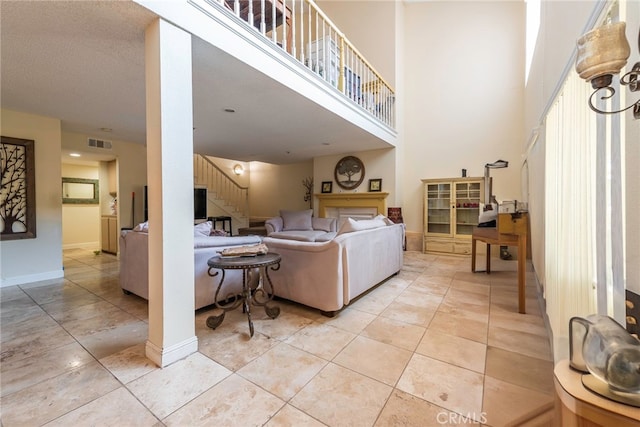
column 306, row 33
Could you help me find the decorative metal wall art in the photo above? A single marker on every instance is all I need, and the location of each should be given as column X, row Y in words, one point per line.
column 17, row 189
column 352, row 169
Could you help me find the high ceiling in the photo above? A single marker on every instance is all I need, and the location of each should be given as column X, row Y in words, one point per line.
column 83, row 62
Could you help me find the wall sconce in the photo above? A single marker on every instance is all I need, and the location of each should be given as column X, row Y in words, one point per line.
column 603, row 52
column 238, row 169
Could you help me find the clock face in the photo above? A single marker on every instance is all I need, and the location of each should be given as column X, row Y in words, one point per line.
column 349, row 172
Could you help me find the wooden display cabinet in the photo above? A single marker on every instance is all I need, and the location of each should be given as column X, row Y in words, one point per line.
column 451, row 210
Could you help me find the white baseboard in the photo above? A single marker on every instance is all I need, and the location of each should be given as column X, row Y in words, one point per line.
column 21, row 280
column 166, row 356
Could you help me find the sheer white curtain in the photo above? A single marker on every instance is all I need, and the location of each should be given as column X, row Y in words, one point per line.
column 570, row 208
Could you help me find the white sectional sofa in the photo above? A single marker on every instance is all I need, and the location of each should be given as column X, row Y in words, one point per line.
column 134, row 263
column 328, row 275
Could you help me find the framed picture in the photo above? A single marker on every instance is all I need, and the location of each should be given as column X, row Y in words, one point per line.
column 349, row 172
column 18, row 201
column 375, row 184
column 327, row 186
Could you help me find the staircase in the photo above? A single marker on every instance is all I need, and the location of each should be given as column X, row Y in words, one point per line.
column 224, row 196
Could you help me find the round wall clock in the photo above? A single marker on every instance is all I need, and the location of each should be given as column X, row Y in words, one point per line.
column 349, row 172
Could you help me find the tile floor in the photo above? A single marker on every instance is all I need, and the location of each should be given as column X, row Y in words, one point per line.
column 434, row 345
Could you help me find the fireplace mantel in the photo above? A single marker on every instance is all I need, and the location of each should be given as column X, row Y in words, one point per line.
column 352, row 200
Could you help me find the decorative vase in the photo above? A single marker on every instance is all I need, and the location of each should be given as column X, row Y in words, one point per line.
column 599, row 345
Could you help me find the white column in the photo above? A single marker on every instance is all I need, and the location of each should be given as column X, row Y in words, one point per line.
column 170, row 181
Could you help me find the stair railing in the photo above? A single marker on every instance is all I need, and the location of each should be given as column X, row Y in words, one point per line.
column 216, row 180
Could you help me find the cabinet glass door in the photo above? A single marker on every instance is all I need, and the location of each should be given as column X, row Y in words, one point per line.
column 439, row 208
column 467, row 206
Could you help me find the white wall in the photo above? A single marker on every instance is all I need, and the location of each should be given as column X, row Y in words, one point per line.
column 464, row 95
column 30, row 260
column 80, row 222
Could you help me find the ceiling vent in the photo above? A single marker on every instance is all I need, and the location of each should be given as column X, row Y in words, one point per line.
column 99, row 143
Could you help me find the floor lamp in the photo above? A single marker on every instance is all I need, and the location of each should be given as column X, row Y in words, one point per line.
column 490, row 198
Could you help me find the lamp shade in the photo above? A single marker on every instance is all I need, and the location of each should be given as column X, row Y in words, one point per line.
column 602, row 52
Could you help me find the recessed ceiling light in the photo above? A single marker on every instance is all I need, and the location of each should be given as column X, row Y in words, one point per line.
column 106, row 129
column 229, row 110
column 326, row 143
column 75, row 154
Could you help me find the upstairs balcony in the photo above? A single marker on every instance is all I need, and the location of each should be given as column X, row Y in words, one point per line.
column 306, row 33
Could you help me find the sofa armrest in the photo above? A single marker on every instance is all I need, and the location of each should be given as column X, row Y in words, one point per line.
column 274, row 225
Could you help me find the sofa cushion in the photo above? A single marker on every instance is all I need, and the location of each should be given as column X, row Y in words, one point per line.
column 202, row 229
column 299, row 235
column 296, row 220
column 351, row 225
column 200, row 241
column 326, row 224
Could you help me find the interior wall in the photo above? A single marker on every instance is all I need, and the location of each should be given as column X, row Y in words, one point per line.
column 30, row 260
column 378, row 164
column 131, row 173
column 80, row 222
column 275, row 187
column 464, row 102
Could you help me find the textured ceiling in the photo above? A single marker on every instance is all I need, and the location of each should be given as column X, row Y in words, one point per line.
column 83, row 62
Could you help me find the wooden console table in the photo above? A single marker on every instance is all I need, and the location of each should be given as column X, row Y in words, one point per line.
column 512, row 230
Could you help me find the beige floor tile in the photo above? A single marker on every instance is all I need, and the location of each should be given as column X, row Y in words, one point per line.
column 382, row 362
column 470, row 311
column 22, row 373
column 235, row 350
column 280, row 328
column 424, row 300
column 117, row 408
column 406, row 410
column 453, row 388
column 520, row 342
column 117, row 338
column 21, row 326
column 349, row 319
column 165, row 390
column 129, row 364
column 469, row 276
column 420, row 316
column 282, row 379
column 518, row 322
column 340, row 397
column 47, row 294
column 289, row 416
column 393, row 332
column 458, row 295
column 74, row 313
column 34, row 342
column 321, row 340
column 504, row 402
column 372, row 303
column 423, row 285
column 54, row 397
column 455, row 350
column 508, row 366
column 233, row 402
column 471, row 288
column 461, row 326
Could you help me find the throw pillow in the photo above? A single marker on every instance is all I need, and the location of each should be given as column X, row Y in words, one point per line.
column 324, row 224
column 202, row 229
column 351, row 225
column 143, row 226
column 296, row 220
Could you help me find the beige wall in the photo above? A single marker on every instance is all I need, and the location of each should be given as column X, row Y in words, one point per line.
column 464, row 100
column 30, row 260
column 132, row 173
column 80, row 223
column 275, row 187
